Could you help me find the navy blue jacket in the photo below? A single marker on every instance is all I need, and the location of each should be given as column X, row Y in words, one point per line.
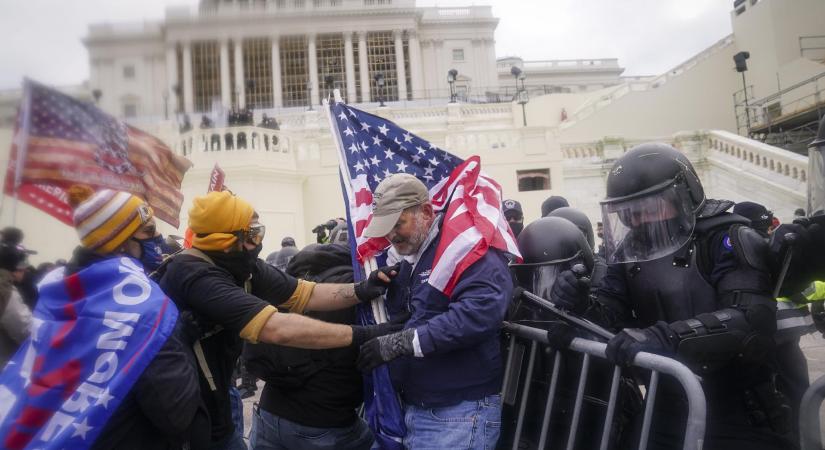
column 458, row 336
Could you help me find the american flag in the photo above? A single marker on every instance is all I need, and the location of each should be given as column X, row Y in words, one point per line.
column 62, row 141
column 372, row 148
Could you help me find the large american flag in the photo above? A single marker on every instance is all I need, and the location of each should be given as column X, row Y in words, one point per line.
column 62, row 141
column 372, row 148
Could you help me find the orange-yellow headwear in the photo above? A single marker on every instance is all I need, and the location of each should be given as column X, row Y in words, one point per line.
column 215, row 216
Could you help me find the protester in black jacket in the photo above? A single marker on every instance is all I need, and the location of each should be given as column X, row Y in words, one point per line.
column 311, row 396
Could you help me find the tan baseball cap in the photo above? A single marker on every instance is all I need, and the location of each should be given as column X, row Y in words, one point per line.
column 392, row 196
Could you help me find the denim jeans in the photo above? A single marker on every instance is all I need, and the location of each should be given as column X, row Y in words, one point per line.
column 270, row 432
column 232, row 442
column 466, row 425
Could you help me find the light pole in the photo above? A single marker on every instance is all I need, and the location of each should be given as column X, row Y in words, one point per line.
column 379, row 83
column 452, row 75
column 740, row 59
column 521, row 93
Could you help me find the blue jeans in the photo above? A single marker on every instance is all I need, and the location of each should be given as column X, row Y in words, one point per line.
column 467, row 425
column 232, row 442
column 270, row 432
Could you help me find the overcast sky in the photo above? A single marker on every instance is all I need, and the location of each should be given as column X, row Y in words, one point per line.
column 42, row 38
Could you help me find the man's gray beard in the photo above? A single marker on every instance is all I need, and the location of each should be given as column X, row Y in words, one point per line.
column 418, row 238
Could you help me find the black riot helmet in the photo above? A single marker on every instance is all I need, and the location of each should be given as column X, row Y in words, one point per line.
column 549, row 246
column 653, row 195
column 579, row 219
column 816, row 171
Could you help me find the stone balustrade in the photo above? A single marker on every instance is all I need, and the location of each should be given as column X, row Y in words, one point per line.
column 755, row 157
column 249, row 138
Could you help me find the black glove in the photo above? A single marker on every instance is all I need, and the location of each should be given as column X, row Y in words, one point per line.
column 373, row 286
column 384, row 349
column 658, row 338
column 571, row 292
column 807, row 263
column 560, row 335
column 363, row 333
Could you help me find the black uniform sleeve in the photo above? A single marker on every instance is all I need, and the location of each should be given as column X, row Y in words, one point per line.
column 608, row 306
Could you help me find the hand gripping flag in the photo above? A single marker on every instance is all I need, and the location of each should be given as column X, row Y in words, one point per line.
column 93, row 334
column 62, row 141
column 372, row 148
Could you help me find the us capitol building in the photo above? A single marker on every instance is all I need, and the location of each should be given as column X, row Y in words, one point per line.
column 240, row 83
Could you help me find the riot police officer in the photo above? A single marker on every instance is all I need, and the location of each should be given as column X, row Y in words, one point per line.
column 581, row 220
column 688, row 280
column 551, row 246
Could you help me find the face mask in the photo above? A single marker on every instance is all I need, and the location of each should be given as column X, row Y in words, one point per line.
column 517, row 227
column 151, row 253
column 240, row 264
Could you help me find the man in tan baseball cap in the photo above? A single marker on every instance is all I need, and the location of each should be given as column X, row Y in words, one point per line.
column 448, row 355
column 401, row 212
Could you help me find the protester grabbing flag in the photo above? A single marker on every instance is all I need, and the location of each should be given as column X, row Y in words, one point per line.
column 371, row 149
column 60, row 141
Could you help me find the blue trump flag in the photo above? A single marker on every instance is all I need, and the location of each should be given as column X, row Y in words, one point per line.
column 93, row 334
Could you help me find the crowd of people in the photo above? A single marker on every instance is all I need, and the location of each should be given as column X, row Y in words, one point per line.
column 673, row 273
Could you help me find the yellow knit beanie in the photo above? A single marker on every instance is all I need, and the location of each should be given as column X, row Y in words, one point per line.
column 106, row 219
column 214, row 217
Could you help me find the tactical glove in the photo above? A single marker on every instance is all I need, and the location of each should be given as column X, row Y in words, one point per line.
column 374, row 286
column 571, row 292
column 384, row 349
column 363, row 333
column 658, row 338
column 560, row 335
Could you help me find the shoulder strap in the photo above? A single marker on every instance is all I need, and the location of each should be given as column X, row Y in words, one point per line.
column 197, row 253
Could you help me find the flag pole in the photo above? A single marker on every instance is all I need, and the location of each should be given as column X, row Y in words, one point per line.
column 378, row 309
column 22, row 143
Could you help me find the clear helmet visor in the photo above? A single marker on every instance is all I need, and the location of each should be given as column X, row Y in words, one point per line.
column 544, row 277
column 648, row 227
column 816, row 179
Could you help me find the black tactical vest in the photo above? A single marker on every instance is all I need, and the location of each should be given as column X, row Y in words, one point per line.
column 677, row 286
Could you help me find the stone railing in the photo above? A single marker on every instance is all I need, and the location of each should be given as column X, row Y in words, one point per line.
column 787, row 168
column 250, row 138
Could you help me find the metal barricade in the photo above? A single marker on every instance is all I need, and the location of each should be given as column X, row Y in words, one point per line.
column 809, row 418
column 694, row 428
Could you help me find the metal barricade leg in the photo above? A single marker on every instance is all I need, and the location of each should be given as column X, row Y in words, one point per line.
column 531, row 362
column 650, row 401
column 611, row 408
column 551, row 396
column 577, row 408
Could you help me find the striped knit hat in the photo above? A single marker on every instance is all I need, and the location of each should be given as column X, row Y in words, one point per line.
column 106, row 219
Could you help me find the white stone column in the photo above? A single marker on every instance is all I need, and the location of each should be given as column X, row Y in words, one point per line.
column 349, row 62
column 440, row 85
column 399, row 64
column 363, row 64
column 479, row 83
column 490, row 63
column 428, row 60
column 416, row 78
column 277, row 90
column 226, row 85
column 188, row 91
column 239, row 75
column 312, row 55
column 171, row 76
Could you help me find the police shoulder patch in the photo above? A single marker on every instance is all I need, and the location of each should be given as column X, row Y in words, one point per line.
column 727, row 244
